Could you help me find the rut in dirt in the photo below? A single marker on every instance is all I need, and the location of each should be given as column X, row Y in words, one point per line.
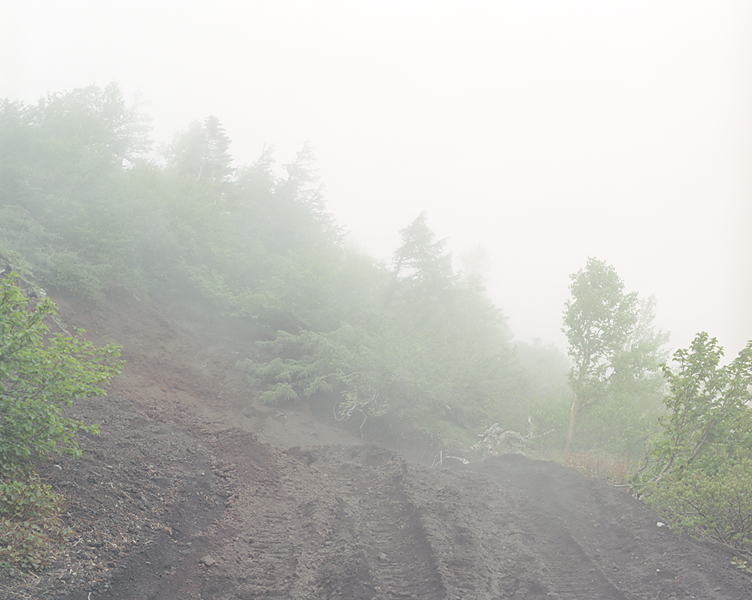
column 355, row 523
column 597, row 541
column 363, row 523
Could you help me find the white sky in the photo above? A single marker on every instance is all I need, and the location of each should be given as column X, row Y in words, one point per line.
column 545, row 131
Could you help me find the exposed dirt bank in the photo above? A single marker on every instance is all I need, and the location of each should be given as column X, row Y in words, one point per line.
column 194, row 490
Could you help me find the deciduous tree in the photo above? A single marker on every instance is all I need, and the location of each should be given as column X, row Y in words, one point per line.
column 613, row 345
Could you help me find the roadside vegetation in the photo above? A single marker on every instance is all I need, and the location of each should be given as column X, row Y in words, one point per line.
column 698, row 470
column 678, row 433
column 40, row 375
column 87, row 204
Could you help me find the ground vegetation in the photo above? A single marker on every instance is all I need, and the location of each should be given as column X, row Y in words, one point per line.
column 40, row 377
column 698, row 470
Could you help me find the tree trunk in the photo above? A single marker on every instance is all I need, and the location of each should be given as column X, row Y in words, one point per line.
column 572, row 418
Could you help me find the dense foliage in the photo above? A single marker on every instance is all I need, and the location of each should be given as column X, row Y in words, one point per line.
column 40, row 375
column 85, row 205
column 698, row 471
column 433, row 350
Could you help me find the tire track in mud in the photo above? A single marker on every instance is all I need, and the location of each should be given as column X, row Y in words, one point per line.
column 423, row 533
column 356, row 534
column 476, row 545
column 361, row 523
column 384, row 536
column 323, row 528
column 571, row 573
column 595, row 541
column 260, row 548
column 559, row 526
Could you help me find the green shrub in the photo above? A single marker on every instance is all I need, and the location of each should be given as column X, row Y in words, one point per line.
column 717, row 507
column 30, row 524
column 698, row 471
column 40, row 375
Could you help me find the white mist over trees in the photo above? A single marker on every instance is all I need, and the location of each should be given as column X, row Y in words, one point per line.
column 84, row 206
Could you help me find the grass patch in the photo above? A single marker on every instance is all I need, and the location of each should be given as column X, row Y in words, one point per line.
column 613, row 469
column 30, row 524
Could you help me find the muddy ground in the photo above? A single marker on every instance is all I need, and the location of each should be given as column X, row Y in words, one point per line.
column 195, row 490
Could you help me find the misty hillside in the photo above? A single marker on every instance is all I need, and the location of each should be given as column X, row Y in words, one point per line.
column 88, row 205
column 196, row 489
column 180, row 235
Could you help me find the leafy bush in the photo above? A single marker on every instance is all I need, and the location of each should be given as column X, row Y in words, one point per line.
column 715, row 506
column 41, row 375
column 698, row 473
column 30, row 525
column 708, row 419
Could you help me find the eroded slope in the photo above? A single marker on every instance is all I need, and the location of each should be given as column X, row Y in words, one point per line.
column 193, row 490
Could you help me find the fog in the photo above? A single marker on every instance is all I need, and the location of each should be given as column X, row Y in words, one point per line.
column 544, row 132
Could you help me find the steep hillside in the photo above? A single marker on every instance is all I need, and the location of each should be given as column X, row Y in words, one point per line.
column 195, row 490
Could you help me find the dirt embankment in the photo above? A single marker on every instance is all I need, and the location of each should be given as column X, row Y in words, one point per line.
column 194, row 490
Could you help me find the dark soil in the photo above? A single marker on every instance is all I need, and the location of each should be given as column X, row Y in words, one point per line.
column 195, row 490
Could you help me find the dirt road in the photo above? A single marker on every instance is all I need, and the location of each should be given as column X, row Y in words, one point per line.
column 194, row 490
